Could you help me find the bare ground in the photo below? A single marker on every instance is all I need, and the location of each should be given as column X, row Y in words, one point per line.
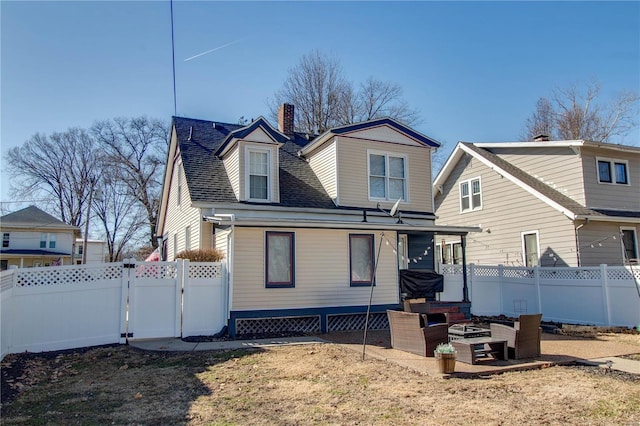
column 317, row 384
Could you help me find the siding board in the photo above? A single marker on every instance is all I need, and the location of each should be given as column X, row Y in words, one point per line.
column 322, row 272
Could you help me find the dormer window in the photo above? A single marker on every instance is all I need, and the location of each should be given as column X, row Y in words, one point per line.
column 387, row 176
column 258, row 174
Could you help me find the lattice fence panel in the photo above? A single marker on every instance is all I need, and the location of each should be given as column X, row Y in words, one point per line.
column 377, row 321
column 517, row 272
column 278, row 325
column 62, row 275
column 570, row 274
column 623, row 273
column 449, row 269
column 205, row 270
column 486, row 271
column 157, row 270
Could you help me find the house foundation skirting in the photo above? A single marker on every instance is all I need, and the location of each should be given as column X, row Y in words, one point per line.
column 307, row 321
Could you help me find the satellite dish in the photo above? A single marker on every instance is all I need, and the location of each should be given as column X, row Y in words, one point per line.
column 394, row 209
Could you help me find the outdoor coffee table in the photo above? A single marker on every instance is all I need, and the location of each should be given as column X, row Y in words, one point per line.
column 463, row 331
column 470, row 350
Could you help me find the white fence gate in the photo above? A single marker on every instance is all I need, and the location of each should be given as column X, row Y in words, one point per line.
column 54, row 308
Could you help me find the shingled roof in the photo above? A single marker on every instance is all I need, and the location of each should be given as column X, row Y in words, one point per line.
column 543, row 189
column 32, row 216
column 199, row 140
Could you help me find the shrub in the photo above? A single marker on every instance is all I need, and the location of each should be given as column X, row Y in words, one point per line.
column 201, row 255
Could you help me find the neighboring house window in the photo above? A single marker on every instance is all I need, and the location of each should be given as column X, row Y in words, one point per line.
column 179, row 195
column 187, row 238
column 530, row 248
column 387, row 177
column 175, row 245
column 361, row 259
column 80, row 249
column 43, row 240
column 52, row 241
column 280, row 261
column 451, row 253
column 470, row 195
column 629, row 244
column 613, row 171
column 4, row 265
column 5, row 240
column 259, row 176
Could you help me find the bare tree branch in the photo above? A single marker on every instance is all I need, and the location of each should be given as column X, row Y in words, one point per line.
column 324, row 98
column 575, row 113
column 135, row 148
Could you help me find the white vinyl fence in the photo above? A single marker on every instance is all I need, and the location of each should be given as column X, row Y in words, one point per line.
column 54, row 308
column 603, row 295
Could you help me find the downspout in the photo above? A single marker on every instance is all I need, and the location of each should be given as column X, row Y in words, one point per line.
column 578, row 243
column 232, row 217
column 465, row 288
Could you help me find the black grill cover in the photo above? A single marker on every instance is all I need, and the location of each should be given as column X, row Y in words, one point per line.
column 417, row 283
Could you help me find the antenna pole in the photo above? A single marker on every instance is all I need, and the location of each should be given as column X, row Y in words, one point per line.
column 373, row 281
column 173, row 59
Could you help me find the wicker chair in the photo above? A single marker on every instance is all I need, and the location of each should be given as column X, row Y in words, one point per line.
column 523, row 338
column 410, row 332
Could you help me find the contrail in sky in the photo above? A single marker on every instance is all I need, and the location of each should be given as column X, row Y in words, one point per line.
column 215, row 48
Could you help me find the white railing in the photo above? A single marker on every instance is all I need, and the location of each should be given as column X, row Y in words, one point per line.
column 603, row 295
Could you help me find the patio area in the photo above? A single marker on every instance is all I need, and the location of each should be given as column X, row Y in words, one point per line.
column 557, row 349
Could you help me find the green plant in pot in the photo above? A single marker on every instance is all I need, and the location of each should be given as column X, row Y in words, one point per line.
column 445, row 355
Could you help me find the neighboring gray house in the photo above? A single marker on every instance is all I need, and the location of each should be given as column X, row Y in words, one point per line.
column 547, row 203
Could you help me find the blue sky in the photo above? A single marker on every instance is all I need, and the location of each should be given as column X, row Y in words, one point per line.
column 473, row 70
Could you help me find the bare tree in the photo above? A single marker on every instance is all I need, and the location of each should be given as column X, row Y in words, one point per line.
column 575, row 113
column 57, row 169
column 379, row 99
column 121, row 216
column 541, row 121
column 136, row 149
column 324, row 98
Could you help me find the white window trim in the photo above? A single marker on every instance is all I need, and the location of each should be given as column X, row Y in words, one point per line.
column 524, row 251
column 612, row 169
column 468, row 182
column 179, row 190
column 247, row 180
column 386, row 155
column 635, row 242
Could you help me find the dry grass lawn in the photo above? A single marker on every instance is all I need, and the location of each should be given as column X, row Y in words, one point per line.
column 318, row 384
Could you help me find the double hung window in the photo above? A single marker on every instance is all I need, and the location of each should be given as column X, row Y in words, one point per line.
column 387, row 177
column 470, row 195
column 259, row 175
column 5, row 239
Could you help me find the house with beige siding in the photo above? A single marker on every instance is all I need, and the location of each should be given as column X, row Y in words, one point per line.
column 34, row 238
column 546, row 203
column 307, row 223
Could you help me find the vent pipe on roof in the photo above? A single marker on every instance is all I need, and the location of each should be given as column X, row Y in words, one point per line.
column 541, row 138
column 190, row 133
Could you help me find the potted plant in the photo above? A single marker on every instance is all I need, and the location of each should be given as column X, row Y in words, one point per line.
column 445, row 355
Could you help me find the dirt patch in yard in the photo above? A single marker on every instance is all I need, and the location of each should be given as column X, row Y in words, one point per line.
column 320, row 383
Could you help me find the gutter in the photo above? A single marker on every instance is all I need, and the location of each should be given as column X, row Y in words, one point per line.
column 324, row 224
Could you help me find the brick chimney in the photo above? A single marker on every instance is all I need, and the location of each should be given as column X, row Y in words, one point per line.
column 285, row 119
